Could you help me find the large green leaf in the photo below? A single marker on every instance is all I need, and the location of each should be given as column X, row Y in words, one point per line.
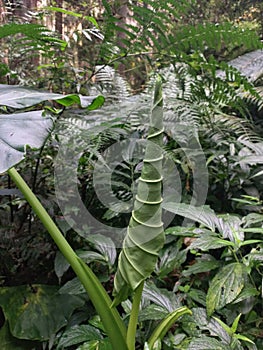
column 37, row 312
column 225, row 287
column 162, row 297
column 206, row 343
column 204, row 264
column 22, row 97
column 19, row 130
column 207, row 240
column 78, row 334
column 30, row 128
column 8, row 342
column 145, row 234
column 152, row 312
column 204, row 215
column 210, row 325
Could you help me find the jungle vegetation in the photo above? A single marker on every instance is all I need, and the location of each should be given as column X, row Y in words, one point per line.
column 131, row 178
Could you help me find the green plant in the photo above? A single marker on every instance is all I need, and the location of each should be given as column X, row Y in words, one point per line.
column 149, row 214
column 224, row 275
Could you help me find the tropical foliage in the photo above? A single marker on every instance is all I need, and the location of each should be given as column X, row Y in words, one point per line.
column 145, row 148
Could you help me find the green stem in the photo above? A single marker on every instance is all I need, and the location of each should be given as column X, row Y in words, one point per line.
column 111, row 320
column 131, row 333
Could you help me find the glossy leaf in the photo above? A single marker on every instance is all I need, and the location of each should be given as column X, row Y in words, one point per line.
column 210, row 324
column 96, row 103
column 152, row 312
column 203, row 215
column 36, row 312
column 30, row 128
column 145, row 235
column 162, row 297
column 209, row 240
column 19, row 130
column 207, row 343
column 22, row 97
column 18, row 97
column 105, row 246
column 74, row 14
column 78, row 334
column 225, row 287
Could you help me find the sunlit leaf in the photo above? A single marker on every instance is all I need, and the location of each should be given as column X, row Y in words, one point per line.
column 19, row 130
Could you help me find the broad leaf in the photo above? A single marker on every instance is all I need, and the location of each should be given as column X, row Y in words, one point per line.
column 36, row 312
column 152, row 312
column 162, row 297
column 78, row 334
column 18, row 97
column 206, row 343
column 19, row 130
column 73, row 286
column 213, row 326
column 203, row 215
column 225, row 287
column 8, row 342
column 105, row 246
column 250, row 65
column 29, row 128
column 202, row 265
column 22, row 97
column 209, row 240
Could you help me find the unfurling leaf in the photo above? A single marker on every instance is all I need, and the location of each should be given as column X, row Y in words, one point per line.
column 145, row 234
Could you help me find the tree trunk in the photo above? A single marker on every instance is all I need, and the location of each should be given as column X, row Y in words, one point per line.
column 2, row 12
column 59, row 18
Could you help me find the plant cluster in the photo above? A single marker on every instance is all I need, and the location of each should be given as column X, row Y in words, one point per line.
column 195, row 283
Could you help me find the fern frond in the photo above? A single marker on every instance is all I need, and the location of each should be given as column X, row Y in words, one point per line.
column 30, row 30
column 213, row 38
column 250, row 65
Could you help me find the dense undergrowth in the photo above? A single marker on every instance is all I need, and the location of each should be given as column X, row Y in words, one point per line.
column 211, row 259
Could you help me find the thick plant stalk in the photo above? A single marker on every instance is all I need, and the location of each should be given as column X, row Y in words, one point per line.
column 111, row 320
column 132, row 327
column 145, row 235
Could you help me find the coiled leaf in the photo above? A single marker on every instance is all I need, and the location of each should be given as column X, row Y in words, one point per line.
column 145, row 235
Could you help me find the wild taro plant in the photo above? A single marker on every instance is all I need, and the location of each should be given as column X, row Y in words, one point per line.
column 145, row 234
